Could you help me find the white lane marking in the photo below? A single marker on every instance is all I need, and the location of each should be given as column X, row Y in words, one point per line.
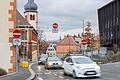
column 39, row 68
column 39, row 73
column 61, row 77
column 61, row 72
column 39, row 78
column 55, row 74
column 48, row 72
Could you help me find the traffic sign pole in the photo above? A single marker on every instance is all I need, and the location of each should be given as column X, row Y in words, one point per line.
column 17, row 42
column 17, row 64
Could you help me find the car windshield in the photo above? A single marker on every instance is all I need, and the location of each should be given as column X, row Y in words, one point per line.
column 53, row 59
column 43, row 56
column 82, row 60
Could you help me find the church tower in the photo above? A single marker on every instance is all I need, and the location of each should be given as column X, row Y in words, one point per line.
column 31, row 13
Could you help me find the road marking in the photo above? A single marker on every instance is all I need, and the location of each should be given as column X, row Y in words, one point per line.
column 48, row 73
column 61, row 72
column 55, row 74
column 39, row 73
column 61, row 77
column 38, row 78
column 39, row 68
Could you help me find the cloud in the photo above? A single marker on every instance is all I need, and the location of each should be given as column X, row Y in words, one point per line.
column 67, row 13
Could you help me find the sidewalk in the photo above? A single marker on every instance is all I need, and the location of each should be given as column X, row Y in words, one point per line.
column 23, row 74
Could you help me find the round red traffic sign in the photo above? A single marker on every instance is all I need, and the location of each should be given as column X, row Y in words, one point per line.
column 16, row 33
column 55, row 25
column 84, row 42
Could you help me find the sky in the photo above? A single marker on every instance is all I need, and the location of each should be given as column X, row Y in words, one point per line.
column 69, row 14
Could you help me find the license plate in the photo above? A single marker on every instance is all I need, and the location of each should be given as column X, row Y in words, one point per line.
column 90, row 72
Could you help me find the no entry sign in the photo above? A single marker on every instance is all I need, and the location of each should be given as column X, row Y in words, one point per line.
column 55, row 25
column 84, row 42
column 16, row 33
column 55, row 28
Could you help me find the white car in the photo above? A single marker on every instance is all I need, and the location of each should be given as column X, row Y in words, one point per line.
column 53, row 62
column 81, row 66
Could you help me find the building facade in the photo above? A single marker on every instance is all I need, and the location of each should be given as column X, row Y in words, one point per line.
column 51, row 50
column 7, row 23
column 109, row 24
column 28, row 26
column 67, row 45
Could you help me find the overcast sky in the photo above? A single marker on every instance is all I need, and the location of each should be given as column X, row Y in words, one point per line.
column 67, row 13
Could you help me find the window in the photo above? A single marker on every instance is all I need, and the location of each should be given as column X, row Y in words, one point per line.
column 69, row 60
column 23, row 35
column 30, row 17
column 33, row 17
column 50, row 45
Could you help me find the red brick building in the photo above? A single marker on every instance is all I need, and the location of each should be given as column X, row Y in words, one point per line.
column 66, row 45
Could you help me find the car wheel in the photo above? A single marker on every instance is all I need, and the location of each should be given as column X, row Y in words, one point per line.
column 45, row 67
column 65, row 74
column 74, row 75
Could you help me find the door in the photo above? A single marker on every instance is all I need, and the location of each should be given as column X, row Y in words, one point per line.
column 69, row 65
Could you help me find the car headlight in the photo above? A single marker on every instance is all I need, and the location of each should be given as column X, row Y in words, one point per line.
column 60, row 63
column 78, row 67
column 49, row 63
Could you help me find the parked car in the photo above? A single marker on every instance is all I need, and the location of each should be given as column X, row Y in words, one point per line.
column 81, row 66
column 53, row 62
column 42, row 59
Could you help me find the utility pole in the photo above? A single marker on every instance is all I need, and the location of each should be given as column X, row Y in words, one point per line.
column 83, row 26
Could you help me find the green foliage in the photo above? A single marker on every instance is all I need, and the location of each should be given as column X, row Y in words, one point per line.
column 2, row 72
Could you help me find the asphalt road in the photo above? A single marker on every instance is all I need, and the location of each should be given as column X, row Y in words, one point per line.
column 109, row 72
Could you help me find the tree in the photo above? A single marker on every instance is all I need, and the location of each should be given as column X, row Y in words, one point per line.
column 41, row 41
column 89, row 36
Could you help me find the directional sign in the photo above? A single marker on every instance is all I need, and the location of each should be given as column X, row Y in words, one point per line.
column 83, row 47
column 16, row 33
column 16, row 42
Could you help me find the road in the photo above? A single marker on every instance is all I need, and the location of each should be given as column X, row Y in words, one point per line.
column 110, row 71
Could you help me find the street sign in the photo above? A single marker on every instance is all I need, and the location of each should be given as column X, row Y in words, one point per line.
column 16, row 33
column 55, row 25
column 55, row 28
column 84, row 42
column 17, row 42
column 83, row 47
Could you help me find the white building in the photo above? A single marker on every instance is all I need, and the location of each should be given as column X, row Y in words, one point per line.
column 7, row 24
column 51, row 50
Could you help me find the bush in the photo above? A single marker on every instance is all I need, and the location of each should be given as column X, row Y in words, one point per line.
column 2, row 72
column 116, row 57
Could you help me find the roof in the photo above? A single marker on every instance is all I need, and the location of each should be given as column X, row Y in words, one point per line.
column 68, row 40
column 20, row 19
column 30, row 6
column 79, row 57
column 107, row 4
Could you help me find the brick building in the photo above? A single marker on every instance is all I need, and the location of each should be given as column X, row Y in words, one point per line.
column 66, row 45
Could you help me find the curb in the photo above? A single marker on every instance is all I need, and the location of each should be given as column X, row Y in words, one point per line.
column 32, row 73
column 9, row 74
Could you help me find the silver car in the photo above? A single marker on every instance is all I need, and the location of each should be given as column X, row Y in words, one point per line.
column 53, row 62
column 42, row 59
